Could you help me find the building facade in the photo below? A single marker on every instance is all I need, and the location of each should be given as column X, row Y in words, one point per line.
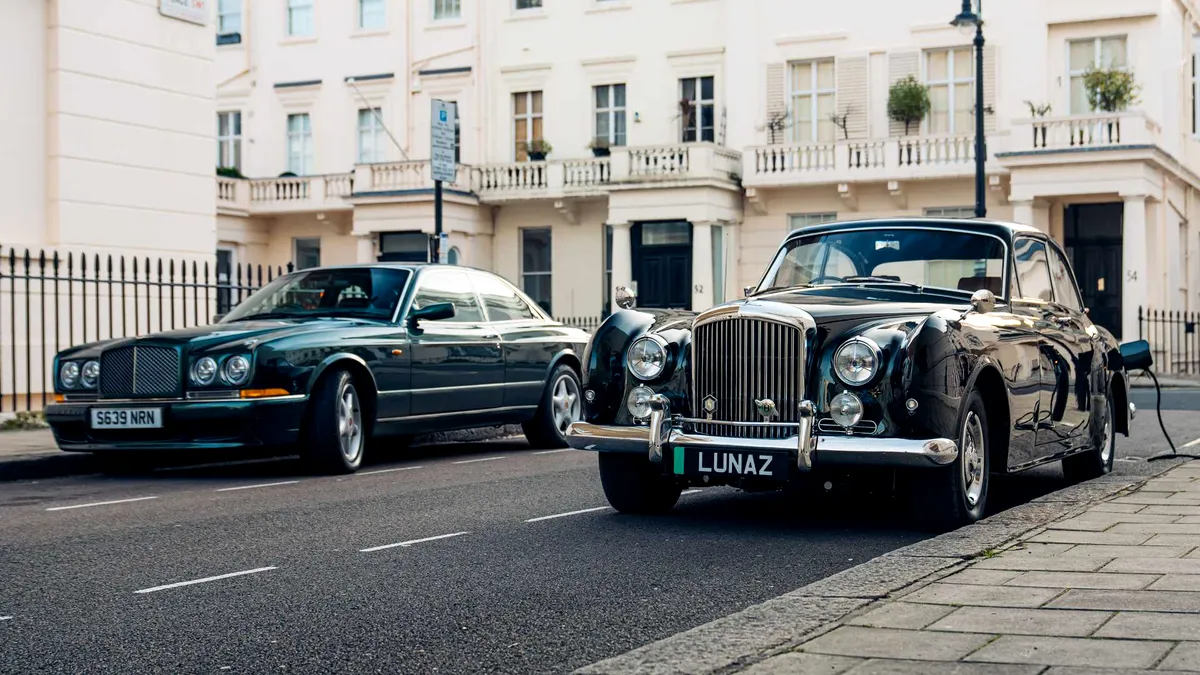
column 671, row 144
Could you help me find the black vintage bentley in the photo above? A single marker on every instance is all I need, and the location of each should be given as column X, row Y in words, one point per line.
column 933, row 351
column 326, row 359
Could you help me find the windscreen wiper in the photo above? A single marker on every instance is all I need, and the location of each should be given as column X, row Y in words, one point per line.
column 881, row 280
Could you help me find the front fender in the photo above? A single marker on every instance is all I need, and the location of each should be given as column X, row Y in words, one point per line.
column 605, row 376
column 340, row 358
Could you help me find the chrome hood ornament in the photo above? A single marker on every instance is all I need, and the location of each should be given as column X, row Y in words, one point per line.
column 766, row 409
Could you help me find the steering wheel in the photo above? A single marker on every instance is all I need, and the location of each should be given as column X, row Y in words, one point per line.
column 825, row 277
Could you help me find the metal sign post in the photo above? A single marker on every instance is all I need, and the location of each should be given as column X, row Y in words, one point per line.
column 441, row 159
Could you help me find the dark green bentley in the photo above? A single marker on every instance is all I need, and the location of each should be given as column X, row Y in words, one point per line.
column 325, row 359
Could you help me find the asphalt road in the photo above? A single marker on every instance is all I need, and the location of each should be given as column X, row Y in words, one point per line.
column 447, row 559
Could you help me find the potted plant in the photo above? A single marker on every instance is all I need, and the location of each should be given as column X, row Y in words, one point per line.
column 601, row 147
column 1110, row 90
column 229, row 172
column 537, row 150
column 908, row 102
column 1039, row 130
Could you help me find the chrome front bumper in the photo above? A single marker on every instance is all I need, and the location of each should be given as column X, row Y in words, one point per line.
column 808, row 448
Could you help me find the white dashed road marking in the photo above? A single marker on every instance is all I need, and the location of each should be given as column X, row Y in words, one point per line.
column 411, row 542
column 690, row 492
column 481, row 459
column 552, row 452
column 206, row 579
column 399, row 468
column 115, row 501
column 260, row 485
column 569, row 513
column 1192, row 443
column 5, row 618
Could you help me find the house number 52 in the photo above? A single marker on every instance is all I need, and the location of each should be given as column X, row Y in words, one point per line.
column 698, row 288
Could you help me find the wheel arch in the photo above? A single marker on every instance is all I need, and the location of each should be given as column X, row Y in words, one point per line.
column 990, row 383
column 566, row 356
column 1119, row 390
column 360, row 371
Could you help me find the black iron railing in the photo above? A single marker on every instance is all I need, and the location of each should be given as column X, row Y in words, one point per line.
column 1173, row 338
column 49, row 302
column 588, row 323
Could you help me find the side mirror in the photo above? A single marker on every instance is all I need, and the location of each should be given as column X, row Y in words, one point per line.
column 626, row 298
column 434, row 312
column 747, row 291
column 983, row 301
column 1136, row 355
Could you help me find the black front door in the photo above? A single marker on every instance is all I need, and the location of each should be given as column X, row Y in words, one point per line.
column 662, row 264
column 1092, row 234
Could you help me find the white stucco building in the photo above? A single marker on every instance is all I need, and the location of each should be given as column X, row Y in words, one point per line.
column 700, row 186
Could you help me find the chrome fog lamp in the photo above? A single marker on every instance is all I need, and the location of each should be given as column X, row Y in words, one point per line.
column 69, row 374
column 204, row 371
column 857, row 361
column 90, row 374
column 846, row 409
column 638, row 402
column 647, row 357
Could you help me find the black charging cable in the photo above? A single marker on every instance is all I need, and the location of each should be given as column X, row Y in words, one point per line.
column 1174, row 454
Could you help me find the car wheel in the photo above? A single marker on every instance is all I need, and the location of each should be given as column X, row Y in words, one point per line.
column 561, row 405
column 633, row 484
column 337, row 436
column 1097, row 461
column 949, row 497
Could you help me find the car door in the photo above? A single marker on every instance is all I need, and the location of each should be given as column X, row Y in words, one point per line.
column 1054, row 355
column 1071, row 331
column 457, row 363
column 528, row 345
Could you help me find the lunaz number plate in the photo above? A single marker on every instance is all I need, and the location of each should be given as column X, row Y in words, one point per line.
column 127, row 418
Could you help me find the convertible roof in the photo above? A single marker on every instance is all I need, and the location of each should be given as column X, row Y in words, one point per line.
column 983, row 226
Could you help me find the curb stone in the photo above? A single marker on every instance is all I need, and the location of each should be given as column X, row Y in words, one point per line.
column 777, row 625
column 59, row 464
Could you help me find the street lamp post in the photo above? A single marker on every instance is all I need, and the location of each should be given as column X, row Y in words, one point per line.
column 967, row 20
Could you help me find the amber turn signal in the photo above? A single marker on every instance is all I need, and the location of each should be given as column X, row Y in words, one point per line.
column 263, row 393
column 59, row 398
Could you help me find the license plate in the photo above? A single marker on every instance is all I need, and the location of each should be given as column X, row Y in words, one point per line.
column 730, row 463
column 126, row 418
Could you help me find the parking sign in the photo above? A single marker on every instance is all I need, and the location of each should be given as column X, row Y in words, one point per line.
column 442, row 135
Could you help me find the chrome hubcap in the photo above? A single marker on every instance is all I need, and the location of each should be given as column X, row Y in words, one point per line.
column 349, row 417
column 973, row 459
column 564, row 401
column 1107, row 440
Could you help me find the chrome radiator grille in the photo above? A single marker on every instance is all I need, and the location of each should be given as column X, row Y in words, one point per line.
column 738, row 361
column 139, row 371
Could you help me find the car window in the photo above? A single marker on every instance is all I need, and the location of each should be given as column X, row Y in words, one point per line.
column 500, row 300
column 1064, row 286
column 1033, row 270
column 452, row 287
column 370, row 292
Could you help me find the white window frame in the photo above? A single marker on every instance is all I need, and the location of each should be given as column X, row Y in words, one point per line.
column 227, row 142
column 305, row 137
column 950, row 212
column 529, row 117
column 224, row 13
column 300, row 5
column 296, row 251
column 612, row 110
column 373, row 126
column 798, row 220
column 549, row 272
column 699, row 104
column 952, row 80
column 1096, row 52
column 450, row 10
column 362, row 6
column 814, row 92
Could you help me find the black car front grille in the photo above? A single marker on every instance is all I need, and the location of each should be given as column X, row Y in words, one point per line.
column 139, row 372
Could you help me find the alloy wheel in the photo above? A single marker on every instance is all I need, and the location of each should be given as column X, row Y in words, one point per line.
column 973, row 459
column 564, row 400
column 349, row 419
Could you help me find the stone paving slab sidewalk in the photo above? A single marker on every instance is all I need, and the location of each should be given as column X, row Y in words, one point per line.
column 1098, row 578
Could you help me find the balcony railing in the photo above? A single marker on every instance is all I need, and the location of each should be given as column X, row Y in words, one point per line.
column 1084, row 132
column 860, row 160
column 285, row 194
column 494, row 183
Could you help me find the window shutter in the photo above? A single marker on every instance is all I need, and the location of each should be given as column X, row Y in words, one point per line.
column 900, row 65
column 853, row 83
column 989, row 87
column 776, row 103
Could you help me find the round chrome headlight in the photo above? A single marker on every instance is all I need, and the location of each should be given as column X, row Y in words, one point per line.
column 69, row 374
column 638, row 402
column 857, row 361
column 647, row 357
column 236, row 370
column 204, row 371
column 846, row 409
column 90, row 374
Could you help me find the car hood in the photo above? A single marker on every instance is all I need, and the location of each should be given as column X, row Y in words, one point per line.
column 249, row 333
column 833, row 305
